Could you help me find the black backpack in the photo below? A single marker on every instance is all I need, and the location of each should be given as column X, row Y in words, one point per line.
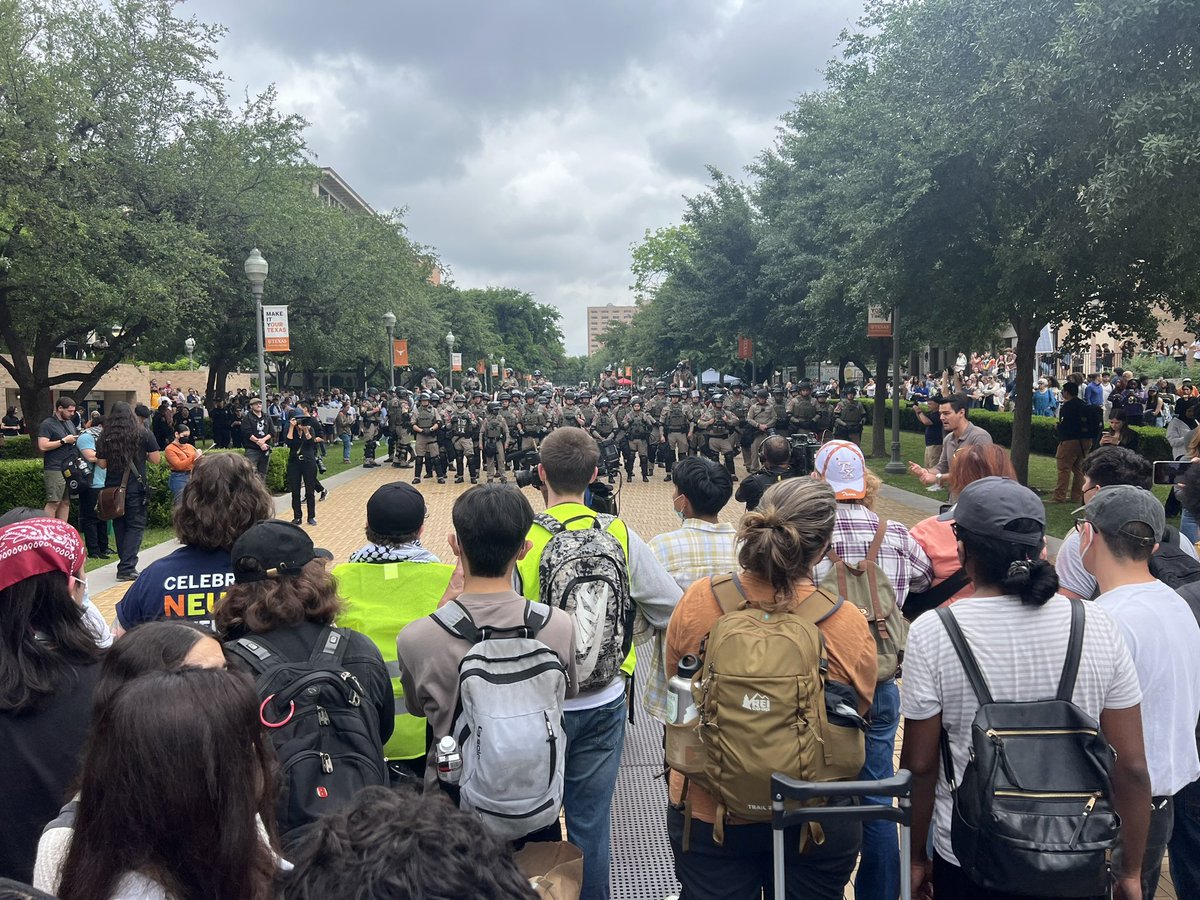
column 325, row 735
column 1033, row 814
column 1171, row 564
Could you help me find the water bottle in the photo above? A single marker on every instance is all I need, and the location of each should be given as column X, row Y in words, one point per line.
column 449, row 760
column 681, row 709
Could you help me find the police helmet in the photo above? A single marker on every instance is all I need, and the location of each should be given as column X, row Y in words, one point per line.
column 821, row 394
column 851, row 392
column 537, row 373
column 505, row 395
column 762, row 393
column 530, row 396
column 805, row 385
column 438, row 396
column 569, row 397
column 544, row 399
column 494, row 406
column 603, row 403
column 739, row 387
column 777, row 390
column 674, row 392
column 585, row 395
column 431, row 371
column 623, row 396
column 424, row 395
column 637, row 400
column 475, row 394
column 460, row 399
column 718, row 399
column 660, row 386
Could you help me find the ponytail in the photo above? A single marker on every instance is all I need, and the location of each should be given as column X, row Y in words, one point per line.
column 784, row 537
column 1014, row 568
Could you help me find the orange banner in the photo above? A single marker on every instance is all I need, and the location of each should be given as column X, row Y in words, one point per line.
column 455, row 362
column 479, row 367
column 275, row 329
column 399, row 353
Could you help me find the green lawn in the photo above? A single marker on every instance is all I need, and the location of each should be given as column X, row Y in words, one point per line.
column 1042, row 476
column 333, row 463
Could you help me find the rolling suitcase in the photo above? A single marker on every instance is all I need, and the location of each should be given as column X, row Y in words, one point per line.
column 785, row 790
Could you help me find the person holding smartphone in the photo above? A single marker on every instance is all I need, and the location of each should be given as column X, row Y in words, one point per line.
column 303, row 438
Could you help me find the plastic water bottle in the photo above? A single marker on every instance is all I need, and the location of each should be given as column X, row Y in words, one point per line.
column 681, row 708
column 449, row 760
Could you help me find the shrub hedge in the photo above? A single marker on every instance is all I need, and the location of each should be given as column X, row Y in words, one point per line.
column 21, row 485
column 1153, row 445
column 19, row 447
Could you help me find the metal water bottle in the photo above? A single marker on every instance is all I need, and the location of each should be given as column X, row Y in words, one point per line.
column 681, row 709
column 449, row 760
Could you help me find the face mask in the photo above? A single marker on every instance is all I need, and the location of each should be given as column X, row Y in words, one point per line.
column 678, row 512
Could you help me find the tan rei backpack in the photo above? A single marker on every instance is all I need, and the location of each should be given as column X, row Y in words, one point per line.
column 766, row 705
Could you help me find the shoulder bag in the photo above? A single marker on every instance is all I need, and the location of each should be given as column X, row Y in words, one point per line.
column 110, row 502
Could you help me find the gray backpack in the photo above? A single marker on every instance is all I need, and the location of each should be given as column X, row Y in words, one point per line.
column 584, row 573
column 508, row 722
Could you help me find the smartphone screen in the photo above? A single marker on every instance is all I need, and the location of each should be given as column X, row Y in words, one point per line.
column 1170, row 472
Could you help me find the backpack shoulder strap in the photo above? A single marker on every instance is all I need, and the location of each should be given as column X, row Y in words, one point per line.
column 537, row 616
column 550, row 523
column 255, row 652
column 454, row 618
column 1066, row 683
column 818, row 606
column 330, row 647
column 728, row 591
column 965, row 656
column 880, row 534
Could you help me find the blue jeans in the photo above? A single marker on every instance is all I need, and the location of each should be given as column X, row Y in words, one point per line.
column 345, row 439
column 879, row 866
column 1188, row 527
column 594, row 741
column 1184, row 845
column 177, row 481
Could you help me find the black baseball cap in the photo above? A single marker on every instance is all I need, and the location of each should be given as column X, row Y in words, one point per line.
column 396, row 509
column 272, row 548
column 992, row 506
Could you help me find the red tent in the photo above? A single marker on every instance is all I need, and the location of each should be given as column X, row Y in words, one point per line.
column 625, row 381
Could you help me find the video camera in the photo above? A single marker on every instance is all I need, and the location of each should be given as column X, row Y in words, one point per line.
column 527, row 477
column 804, row 452
column 602, row 498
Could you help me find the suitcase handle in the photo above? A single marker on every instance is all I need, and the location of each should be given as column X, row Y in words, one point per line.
column 784, row 789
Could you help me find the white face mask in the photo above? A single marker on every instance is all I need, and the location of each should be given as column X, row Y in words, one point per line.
column 678, row 512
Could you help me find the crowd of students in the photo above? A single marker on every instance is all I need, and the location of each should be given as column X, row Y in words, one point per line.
column 268, row 724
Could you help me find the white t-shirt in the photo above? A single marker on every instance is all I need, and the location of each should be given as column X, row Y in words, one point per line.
column 1020, row 649
column 1075, row 578
column 1164, row 641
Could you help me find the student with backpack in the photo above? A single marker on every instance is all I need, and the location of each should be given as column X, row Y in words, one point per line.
column 1014, row 768
column 601, row 572
column 491, row 670
column 873, row 564
column 1117, row 535
column 326, row 698
column 762, row 632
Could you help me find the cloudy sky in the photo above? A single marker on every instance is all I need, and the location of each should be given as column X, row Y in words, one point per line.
column 532, row 141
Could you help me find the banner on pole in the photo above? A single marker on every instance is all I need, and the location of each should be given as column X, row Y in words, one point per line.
column 455, row 362
column 479, row 367
column 879, row 322
column 629, row 371
column 745, row 348
column 275, row 329
column 495, row 370
column 399, row 353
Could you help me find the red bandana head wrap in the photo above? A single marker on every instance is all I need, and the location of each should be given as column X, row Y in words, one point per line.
column 36, row 546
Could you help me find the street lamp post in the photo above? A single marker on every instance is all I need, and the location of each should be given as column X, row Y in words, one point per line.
column 895, row 465
column 450, row 350
column 389, row 323
column 256, row 269
column 190, row 346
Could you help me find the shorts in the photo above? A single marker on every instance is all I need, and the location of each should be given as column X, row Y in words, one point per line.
column 56, row 485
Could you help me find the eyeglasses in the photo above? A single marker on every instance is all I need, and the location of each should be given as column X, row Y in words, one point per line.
column 1080, row 521
column 79, row 580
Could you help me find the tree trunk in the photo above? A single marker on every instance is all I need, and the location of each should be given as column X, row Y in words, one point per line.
column 879, row 410
column 1022, row 426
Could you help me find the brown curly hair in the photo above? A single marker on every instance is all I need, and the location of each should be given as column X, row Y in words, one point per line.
column 222, row 499
column 257, row 606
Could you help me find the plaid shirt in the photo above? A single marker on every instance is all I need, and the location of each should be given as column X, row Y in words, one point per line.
column 900, row 557
column 696, row 550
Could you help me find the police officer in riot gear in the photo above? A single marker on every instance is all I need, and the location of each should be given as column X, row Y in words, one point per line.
column 426, row 423
column 464, row 432
column 493, row 437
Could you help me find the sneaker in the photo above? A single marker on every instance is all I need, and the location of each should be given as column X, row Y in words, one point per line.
column 732, row 477
column 934, row 488
column 458, row 480
column 474, row 480
column 127, row 576
column 346, row 461
column 667, row 477
column 441, row 481
column 312, row 521
column 297, row 521
column 324, row 494
column 417, row 480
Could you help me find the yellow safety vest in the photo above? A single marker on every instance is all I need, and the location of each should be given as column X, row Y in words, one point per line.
column 527, row 568
column 381, row 598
